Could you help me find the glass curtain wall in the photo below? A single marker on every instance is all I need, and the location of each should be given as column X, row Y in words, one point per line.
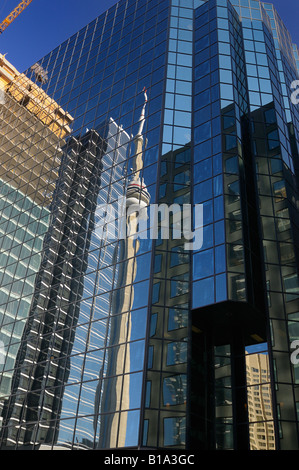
column 80, row 357
column 115, row 342
column 251, row 55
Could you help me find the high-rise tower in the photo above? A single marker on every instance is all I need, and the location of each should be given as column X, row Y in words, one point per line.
column 137, row 341
column 135, row 202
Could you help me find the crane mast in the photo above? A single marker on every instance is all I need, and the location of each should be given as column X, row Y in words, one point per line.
column 14, row 14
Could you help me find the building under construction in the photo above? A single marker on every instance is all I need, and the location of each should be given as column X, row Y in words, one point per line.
column 33, row 129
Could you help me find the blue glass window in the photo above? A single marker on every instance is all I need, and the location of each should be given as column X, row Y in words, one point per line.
column 202, row 151
column 203, row 191
column 176, row 353
column 231, row 165
column 174, row 431
column 202, row 70
column 202, row 99
column 218, row 208
column 202, row 133
column 203, row 264
column 203, row 292
column 203, row 170
column 220, row 260
column 219, row 231
column 221, row 288
column 273, row 140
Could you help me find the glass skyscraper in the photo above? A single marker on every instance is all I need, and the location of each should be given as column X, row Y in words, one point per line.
column 117, row 331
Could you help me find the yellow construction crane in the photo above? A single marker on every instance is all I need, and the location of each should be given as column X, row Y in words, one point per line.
column 13, row 15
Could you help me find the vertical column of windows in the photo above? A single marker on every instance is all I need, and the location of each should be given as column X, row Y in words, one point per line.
column 166, row 381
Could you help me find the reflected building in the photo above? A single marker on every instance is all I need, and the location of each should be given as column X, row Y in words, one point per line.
column 117, row 390
column 134, row 341
column 59, row 282
column 166, row 379
column 259, row 399
column 245, row 297
column 32, row 129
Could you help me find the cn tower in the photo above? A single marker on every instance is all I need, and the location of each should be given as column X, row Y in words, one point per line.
column 117, row 397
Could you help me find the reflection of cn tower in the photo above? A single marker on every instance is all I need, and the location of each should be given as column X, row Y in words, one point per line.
column 116, row 391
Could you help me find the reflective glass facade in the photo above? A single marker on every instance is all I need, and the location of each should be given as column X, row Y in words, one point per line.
column 134, row 341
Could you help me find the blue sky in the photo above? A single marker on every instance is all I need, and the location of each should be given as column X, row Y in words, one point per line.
column 46, row 24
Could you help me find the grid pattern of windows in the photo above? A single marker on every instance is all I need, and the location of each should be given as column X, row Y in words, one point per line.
column 246, row 64
column 176, row 103
column 84, row 308
column 274, row 64
column 207, row 171
column 166, row 379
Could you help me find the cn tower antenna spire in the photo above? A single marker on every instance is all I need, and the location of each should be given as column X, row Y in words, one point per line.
column 136, row 190
column 142, row 115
